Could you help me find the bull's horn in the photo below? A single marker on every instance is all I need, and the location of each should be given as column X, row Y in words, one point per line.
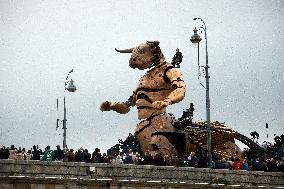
column 125, row 50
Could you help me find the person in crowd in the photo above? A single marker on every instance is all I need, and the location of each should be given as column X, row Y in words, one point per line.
column 203, row 160
column 24, row 152
column 260, row 165
column 105, row 159
column 271, row 165
column 117, row 160
column 212, row 163
column 97, row 156
column 29, row 155
column 20, row 155
column 48, row 154
column 167, row 160
column 148, row 159
column 280, row 166
column 256, row 165
column 245, row 165
column 158, row 160
column 280, row 151
column 65, row 151
column 79, row 155
column 225, row 163
column 13, row 153
column 110, row 158
column 70, row 156
column 36, row 153
column 192, row 160
column 230, row 162
column 4, row 153
column 250, row 164
column 87, row 156
column 133, row 156
column 219, row 164
column 176, row 161
column 139, row 159
column 184, row 162
column 128, row 159
column 237, row 165
column 41, row 152
column 58, row 154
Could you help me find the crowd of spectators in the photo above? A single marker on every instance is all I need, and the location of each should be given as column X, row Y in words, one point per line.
column 83, row 155
column 261, row 164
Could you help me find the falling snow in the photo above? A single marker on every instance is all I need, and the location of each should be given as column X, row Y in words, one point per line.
column 40, row 41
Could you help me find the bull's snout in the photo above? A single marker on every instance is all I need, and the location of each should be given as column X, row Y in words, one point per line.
column 132, row 62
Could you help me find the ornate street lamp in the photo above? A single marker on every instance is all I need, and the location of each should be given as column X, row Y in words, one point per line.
column 195, row 38
column 71, row 88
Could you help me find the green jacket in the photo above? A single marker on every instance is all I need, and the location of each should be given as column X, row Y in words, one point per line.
column 48, row 155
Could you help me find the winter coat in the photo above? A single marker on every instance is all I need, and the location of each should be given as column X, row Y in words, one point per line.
column 237, row 165
column 48, row 155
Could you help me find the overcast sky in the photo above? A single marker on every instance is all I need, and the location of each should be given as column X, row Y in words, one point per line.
column 40, row 41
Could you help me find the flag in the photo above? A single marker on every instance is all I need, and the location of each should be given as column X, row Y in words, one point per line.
column 57, row 120
column 57, row 123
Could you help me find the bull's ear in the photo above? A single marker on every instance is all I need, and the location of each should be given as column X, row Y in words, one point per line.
column 153, row 43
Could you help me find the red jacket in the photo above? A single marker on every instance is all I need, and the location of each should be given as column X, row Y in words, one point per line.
column 237, row 165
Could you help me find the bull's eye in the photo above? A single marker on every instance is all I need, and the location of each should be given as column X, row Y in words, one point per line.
column 140, row 50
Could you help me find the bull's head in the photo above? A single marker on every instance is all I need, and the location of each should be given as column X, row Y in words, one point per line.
column 145, row 55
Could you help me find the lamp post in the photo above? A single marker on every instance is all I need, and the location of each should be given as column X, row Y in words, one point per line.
column 196, row 39
column 71, row 88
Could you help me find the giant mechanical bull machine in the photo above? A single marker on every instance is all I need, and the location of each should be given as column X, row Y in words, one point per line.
column 159, row 132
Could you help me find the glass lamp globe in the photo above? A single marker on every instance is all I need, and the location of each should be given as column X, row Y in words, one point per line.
column 195, row 38
column 71, row 87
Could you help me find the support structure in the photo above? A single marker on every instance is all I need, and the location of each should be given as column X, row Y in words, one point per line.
column 196, row 39
column 71, row 88
column 64, row 125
